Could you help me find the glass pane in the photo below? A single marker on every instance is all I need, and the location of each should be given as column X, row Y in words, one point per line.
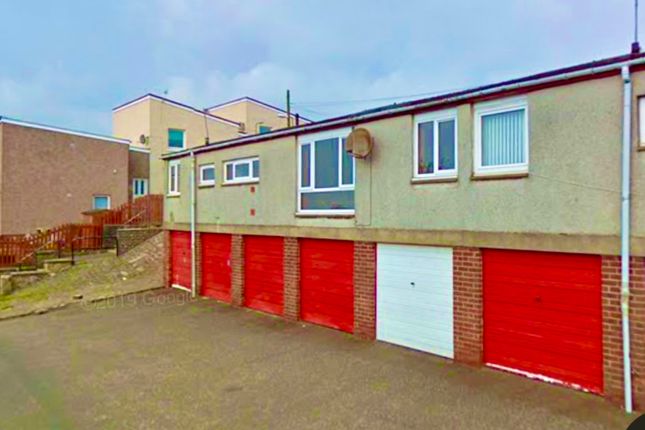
column 328, row 200
column 503, row 138
column 256, row 168
column 348, row 166
column 447, row 145
column 208, row 173
column 175, row 138
column 305, row 165
column 426, row 148
column 326, row 163
column 242, row 170
column 101, row 202
column 229, row 172
column 171, row 181
column 264, row 129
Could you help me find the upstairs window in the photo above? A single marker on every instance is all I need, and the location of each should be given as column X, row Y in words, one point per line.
column 435, row 145
column 101, row 202
column 139, row 187
column 326, row 174
column 173, row 178
column 176, row 138
column 263, row 129
column 242, row 171
column 206, row 175
column 501, row 138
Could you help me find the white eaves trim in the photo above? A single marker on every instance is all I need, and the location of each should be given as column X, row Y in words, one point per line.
column 5, row 120
column 177, row 105
column 281, row 113
column 139, row 149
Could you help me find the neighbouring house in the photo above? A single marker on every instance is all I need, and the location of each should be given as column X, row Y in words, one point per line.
column 50, row 175
column 483, row 226
column 161, row 125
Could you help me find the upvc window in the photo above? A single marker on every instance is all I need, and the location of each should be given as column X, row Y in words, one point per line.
column 206, row 175
column 326, row 174
column 502, row 137
column 176, row 139
column 263, row 129
column 101, row 202
column 435, row 145
column 242, row 171
column 174, row 170
column 139, row 187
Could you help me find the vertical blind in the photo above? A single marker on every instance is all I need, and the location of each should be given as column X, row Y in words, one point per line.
column 503, row 137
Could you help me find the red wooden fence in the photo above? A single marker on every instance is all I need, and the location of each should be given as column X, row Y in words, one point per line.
column 146, row 210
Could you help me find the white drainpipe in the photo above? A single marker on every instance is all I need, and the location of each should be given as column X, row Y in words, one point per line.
column 193, row 206
column 625, row 234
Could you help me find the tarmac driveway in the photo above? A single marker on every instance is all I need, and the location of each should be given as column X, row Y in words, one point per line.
column 160, row 361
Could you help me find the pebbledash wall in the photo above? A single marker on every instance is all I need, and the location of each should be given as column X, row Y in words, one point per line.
column 569, row 202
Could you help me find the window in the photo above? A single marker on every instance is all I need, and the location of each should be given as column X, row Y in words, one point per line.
column 263, row 129
column 139, row 187
column 173, row 178
column 435, row 145
column 326, row 174
column 641, row 120
column 206, row 175
column 101, row 202
column 243, row 171
column 501, row 138
column 176, row 138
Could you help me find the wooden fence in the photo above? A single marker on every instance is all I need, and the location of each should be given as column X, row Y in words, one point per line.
column 146, row 210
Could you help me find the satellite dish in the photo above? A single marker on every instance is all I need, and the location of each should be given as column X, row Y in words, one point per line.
column 143, row 140
column 359, row 143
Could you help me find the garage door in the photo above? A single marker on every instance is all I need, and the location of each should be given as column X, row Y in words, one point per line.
column 543, row 316
column 216, row 266
column 180, row 266
column 327, row 283
column 263, row 273
column 414, row 297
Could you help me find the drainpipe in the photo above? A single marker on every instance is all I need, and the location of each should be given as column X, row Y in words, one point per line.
column 193, row 206
column 625, row 234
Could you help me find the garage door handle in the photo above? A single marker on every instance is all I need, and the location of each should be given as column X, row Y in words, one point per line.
column 538, row 299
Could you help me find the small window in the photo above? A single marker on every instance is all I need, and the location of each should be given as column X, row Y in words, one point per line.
column 206, row 175
column 435, row 145
column 263, row 129
column 176, row 138
column 139, row 187
column 246, row 170
column 326, row 174
column 501, row 138
column 101, row 202
column 173, row 178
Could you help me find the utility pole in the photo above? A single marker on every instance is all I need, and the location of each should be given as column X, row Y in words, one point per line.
column 288, row 108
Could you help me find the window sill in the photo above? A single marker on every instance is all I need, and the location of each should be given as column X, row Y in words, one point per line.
column 206, row 185
column 230, row 184
column 434, row 180
column 169, row 195
column 174, row 149
column 496, row 176
column 323, row 214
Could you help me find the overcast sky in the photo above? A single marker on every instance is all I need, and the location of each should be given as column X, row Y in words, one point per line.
column 68, row 63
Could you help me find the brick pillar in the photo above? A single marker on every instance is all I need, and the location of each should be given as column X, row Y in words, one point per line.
column 468, row 305
column 198, row 263
column 291, row 266
column 365, row 290
column 612, row 329
column 237, row 270
column 167, row 252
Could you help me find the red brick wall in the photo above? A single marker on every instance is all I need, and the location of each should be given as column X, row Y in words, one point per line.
column 237, row 270
column 468, row 305
column 612, row 329
column 291, row 279
column 198, row 263
column 365, row 290
column 166, row 260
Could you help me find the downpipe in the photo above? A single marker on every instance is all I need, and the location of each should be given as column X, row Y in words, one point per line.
column 625, row 235
column 193, row 206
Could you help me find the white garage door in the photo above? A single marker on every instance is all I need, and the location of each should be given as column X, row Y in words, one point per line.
column 414, row 297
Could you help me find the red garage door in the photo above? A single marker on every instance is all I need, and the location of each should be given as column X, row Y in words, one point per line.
column 263, row 273
column 543, row 316
column 216, row 266
column 326, row 283
column 180, row 259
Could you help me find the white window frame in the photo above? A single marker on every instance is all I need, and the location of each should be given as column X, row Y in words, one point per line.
column 500, row 106
column 173, row 186
column 310, row 140
column 250, row 179
column 109, row 201
column 206, row 182
column 183, row 144
column 144, row 181
column 436, row 118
